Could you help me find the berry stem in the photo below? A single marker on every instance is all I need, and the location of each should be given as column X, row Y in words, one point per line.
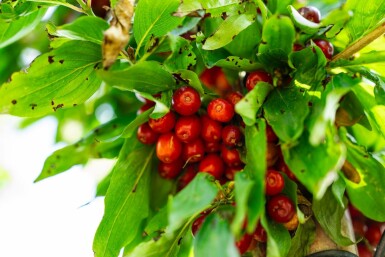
column 361, row 43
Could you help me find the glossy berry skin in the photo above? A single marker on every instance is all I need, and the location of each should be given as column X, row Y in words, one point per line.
column 232, row 136
column 213, row 165
column 168, row 148
column 373, row 234
column 212, row 147
column 146, row 135
column 211, row 129
column 363, row 250
column 282, row 166
column 186, row 101
column 270, row 135
column 98, row 7
column 188, row 175
column 280, row 208
column 260, row 234
column 234, row 97
column 193, row 151
column 170, row 170
column 271, row 154
column 231, row 156
column 244, row 243
column 274, row 182
column 188, row 128
column 197, row 224
column 220, row 110
column 257, row 76
column 297, row 47
column 231, row 171
column 310, row 13
column 164, row 124
column 326, row 47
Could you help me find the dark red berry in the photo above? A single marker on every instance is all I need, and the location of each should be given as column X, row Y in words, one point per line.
column 270, row 135
column 188, row 128
column 231, row 156
column 244, row 243
column 232, row 136
column 234, row 97
column 168, row 148
column 257, row 76
column 274, row 182
column 220, row 110
column 188, row 175
column 193, row 151
column 197, row 224
column 373, row 234
column 310, row 13
column 145, row 107
column 100, row 7
column 186, row 101
column 282, row 166
column 271, row 154
column 215, row 78
column 326, row 47
column 146, row 135
column 231, row 171
column 211, row 129
column 359, row 227
column 280, row 208
column 213, row 165
column 260, row 234
column 212, row 147
column 364, row 251
column 164, row 124
column 297, row 47
column 170, row 170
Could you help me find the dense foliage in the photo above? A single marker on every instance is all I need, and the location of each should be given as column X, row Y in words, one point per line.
column 324, row 110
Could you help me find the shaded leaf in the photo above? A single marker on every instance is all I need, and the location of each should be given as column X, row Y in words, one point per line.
column 278, row 238
column 303, row 239
column 301, row 22
column 182, row 56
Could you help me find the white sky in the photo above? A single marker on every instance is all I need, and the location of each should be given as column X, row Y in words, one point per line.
column 44, row 219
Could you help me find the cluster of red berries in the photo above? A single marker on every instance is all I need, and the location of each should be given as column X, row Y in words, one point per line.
column 370, row 230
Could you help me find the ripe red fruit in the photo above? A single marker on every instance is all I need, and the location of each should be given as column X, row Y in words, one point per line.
column 359, row 227
column 310, row 13
column 212, row 147
column 231, row 171
column 280, row 208
column 234, row 97
column 146, row 135
column 271, row 154
column 274, row 182
column 364, row 251
column 270, row 135
column 220, row 110
column 215, row 78
column 99, row 7
column 193, row 151
column 260, row 234
column 282, row 166
column 188, row 128
column 297, row 47
column 197, row 224
column 373, row 234
column 170, row 170
column 211, row 129
column 164, row 124
column 232, row 136
column 188, row 175
column 145, row 107
column 326, row 47
column 231, row 156
column 244, row 243
column 186, row 101
column 257, row 76
column 213, row 165
column 168, row 148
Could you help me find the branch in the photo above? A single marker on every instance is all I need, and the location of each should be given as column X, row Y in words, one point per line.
column 361, row 43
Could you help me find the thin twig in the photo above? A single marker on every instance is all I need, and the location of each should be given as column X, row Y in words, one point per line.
column 361, row 43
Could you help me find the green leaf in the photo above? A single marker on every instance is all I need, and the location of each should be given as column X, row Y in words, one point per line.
column 286, row 110
column 96, row 144
column 252, row 101
column 303, row 239
column 279, row 6
column 191, row 79
column 182, row 56
column 15, row 30
column 62, row 78
column 335, row 21
column 278, row 238
column 229, row 29
column 131, row 128
column 301, row 22
column 192, row 200
column 154, row 19
column 329, row 213
column 214, row 238
column 84, row 28
column 140, row 77
column 367, row 196
column 361, row 59
column 360, row 24
column 126, row 202
column 290, row 190
column 314, row 166
column 103, row 185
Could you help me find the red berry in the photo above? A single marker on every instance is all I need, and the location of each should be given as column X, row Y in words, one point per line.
column 297, row 47
column 232, row 136
column 354, row 212
column 188, row 128
column 244, row 243
column 211, row 129
column 271, row 154
column 208, row 76
column 257, row 76
column 231, row 171
column 231, row 156
column 168, row 148
column 100, row 7
column 193, row 151
column 359, row 227
column 280, row 208
column 164, row 124
column 310, row 13
column 373, row 234
column 170, row 170
column 364, row 251
column 274, row 182
column 187, row 176
column 326, row 47
column 213, row 165
column 282, row 166
column 197, row 224
column 145, row 107
column 260, row 234
column 186, row 101
column 146, row 135
column 234, row 97
column 270, row 135
column 212, row 147
column 220, row 110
